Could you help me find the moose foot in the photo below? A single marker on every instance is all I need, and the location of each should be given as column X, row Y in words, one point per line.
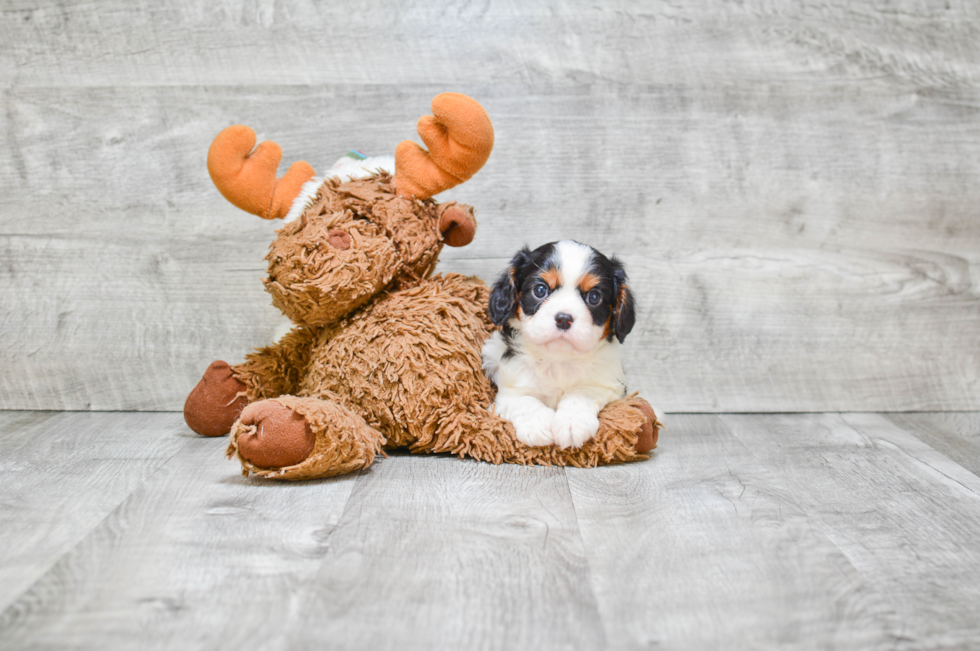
column 275, row 435
column 620, row 428
column 214, row 404
column 628, row 431
column 300, row 438
column 650, row 430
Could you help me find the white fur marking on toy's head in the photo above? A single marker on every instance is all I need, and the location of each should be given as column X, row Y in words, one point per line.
column 351, row 169
column 305, row 198
column 346, row 169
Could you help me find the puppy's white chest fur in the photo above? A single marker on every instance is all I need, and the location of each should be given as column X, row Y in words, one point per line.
column 548, row 376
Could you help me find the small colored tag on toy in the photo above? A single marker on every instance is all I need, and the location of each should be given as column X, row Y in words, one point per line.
column 343, row 163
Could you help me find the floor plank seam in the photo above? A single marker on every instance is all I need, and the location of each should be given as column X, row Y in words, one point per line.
column 81, row 539
column 588, row 562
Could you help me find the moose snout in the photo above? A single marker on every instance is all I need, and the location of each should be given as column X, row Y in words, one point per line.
column 563, row 321
column 338, row 239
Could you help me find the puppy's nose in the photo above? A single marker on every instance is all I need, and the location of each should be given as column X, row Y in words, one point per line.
column 563, row 321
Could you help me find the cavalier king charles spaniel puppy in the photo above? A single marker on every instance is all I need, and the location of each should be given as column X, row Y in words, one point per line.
column 564, row 310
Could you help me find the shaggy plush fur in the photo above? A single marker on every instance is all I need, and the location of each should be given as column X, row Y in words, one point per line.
column 385, row 355
column 382, row 353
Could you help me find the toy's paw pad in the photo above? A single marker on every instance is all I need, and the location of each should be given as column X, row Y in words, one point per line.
column 214, row 404
column 534, row 427
column 573, row 426
column 650, row 432
column 274, row 436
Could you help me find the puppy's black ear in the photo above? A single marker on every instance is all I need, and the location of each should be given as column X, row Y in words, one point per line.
column 504, row 295
column 624, row 312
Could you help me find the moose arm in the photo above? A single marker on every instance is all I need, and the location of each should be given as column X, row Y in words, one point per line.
column 278, row 369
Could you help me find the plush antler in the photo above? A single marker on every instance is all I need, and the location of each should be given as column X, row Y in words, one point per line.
column 459, row 137
column 247, row 178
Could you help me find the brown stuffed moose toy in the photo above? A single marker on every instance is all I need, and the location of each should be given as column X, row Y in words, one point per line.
column 382, row 353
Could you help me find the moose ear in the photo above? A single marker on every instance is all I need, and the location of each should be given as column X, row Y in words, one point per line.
column 624, row 312
column 504, row 295
column 457, row 224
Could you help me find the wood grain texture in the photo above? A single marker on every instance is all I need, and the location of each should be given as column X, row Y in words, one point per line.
column 794, row 189
column 956, row 435
column 705, row 548
column 438, row 553
column 741, row 532
column 197, row 558
column 231, row 42
column 906, row 516
column 64, row 473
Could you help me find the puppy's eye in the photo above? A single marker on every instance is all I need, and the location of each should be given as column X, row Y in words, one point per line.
column 593, row 298
column 540, row 290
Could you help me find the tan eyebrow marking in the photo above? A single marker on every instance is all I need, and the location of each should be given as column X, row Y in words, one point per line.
column 551, row 276
column 588, row 282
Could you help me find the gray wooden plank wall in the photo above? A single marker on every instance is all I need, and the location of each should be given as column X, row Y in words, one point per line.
column 795, row 187
column 772, row 531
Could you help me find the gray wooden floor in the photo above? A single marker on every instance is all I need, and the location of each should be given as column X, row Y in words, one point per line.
column 124, row 530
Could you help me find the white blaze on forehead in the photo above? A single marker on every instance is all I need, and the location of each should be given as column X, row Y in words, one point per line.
column 574, row 260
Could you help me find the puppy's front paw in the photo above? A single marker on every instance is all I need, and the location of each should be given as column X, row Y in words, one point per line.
column 534, row 427
column 573, row 426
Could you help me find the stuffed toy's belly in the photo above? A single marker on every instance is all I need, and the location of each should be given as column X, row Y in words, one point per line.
column 409, row 359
